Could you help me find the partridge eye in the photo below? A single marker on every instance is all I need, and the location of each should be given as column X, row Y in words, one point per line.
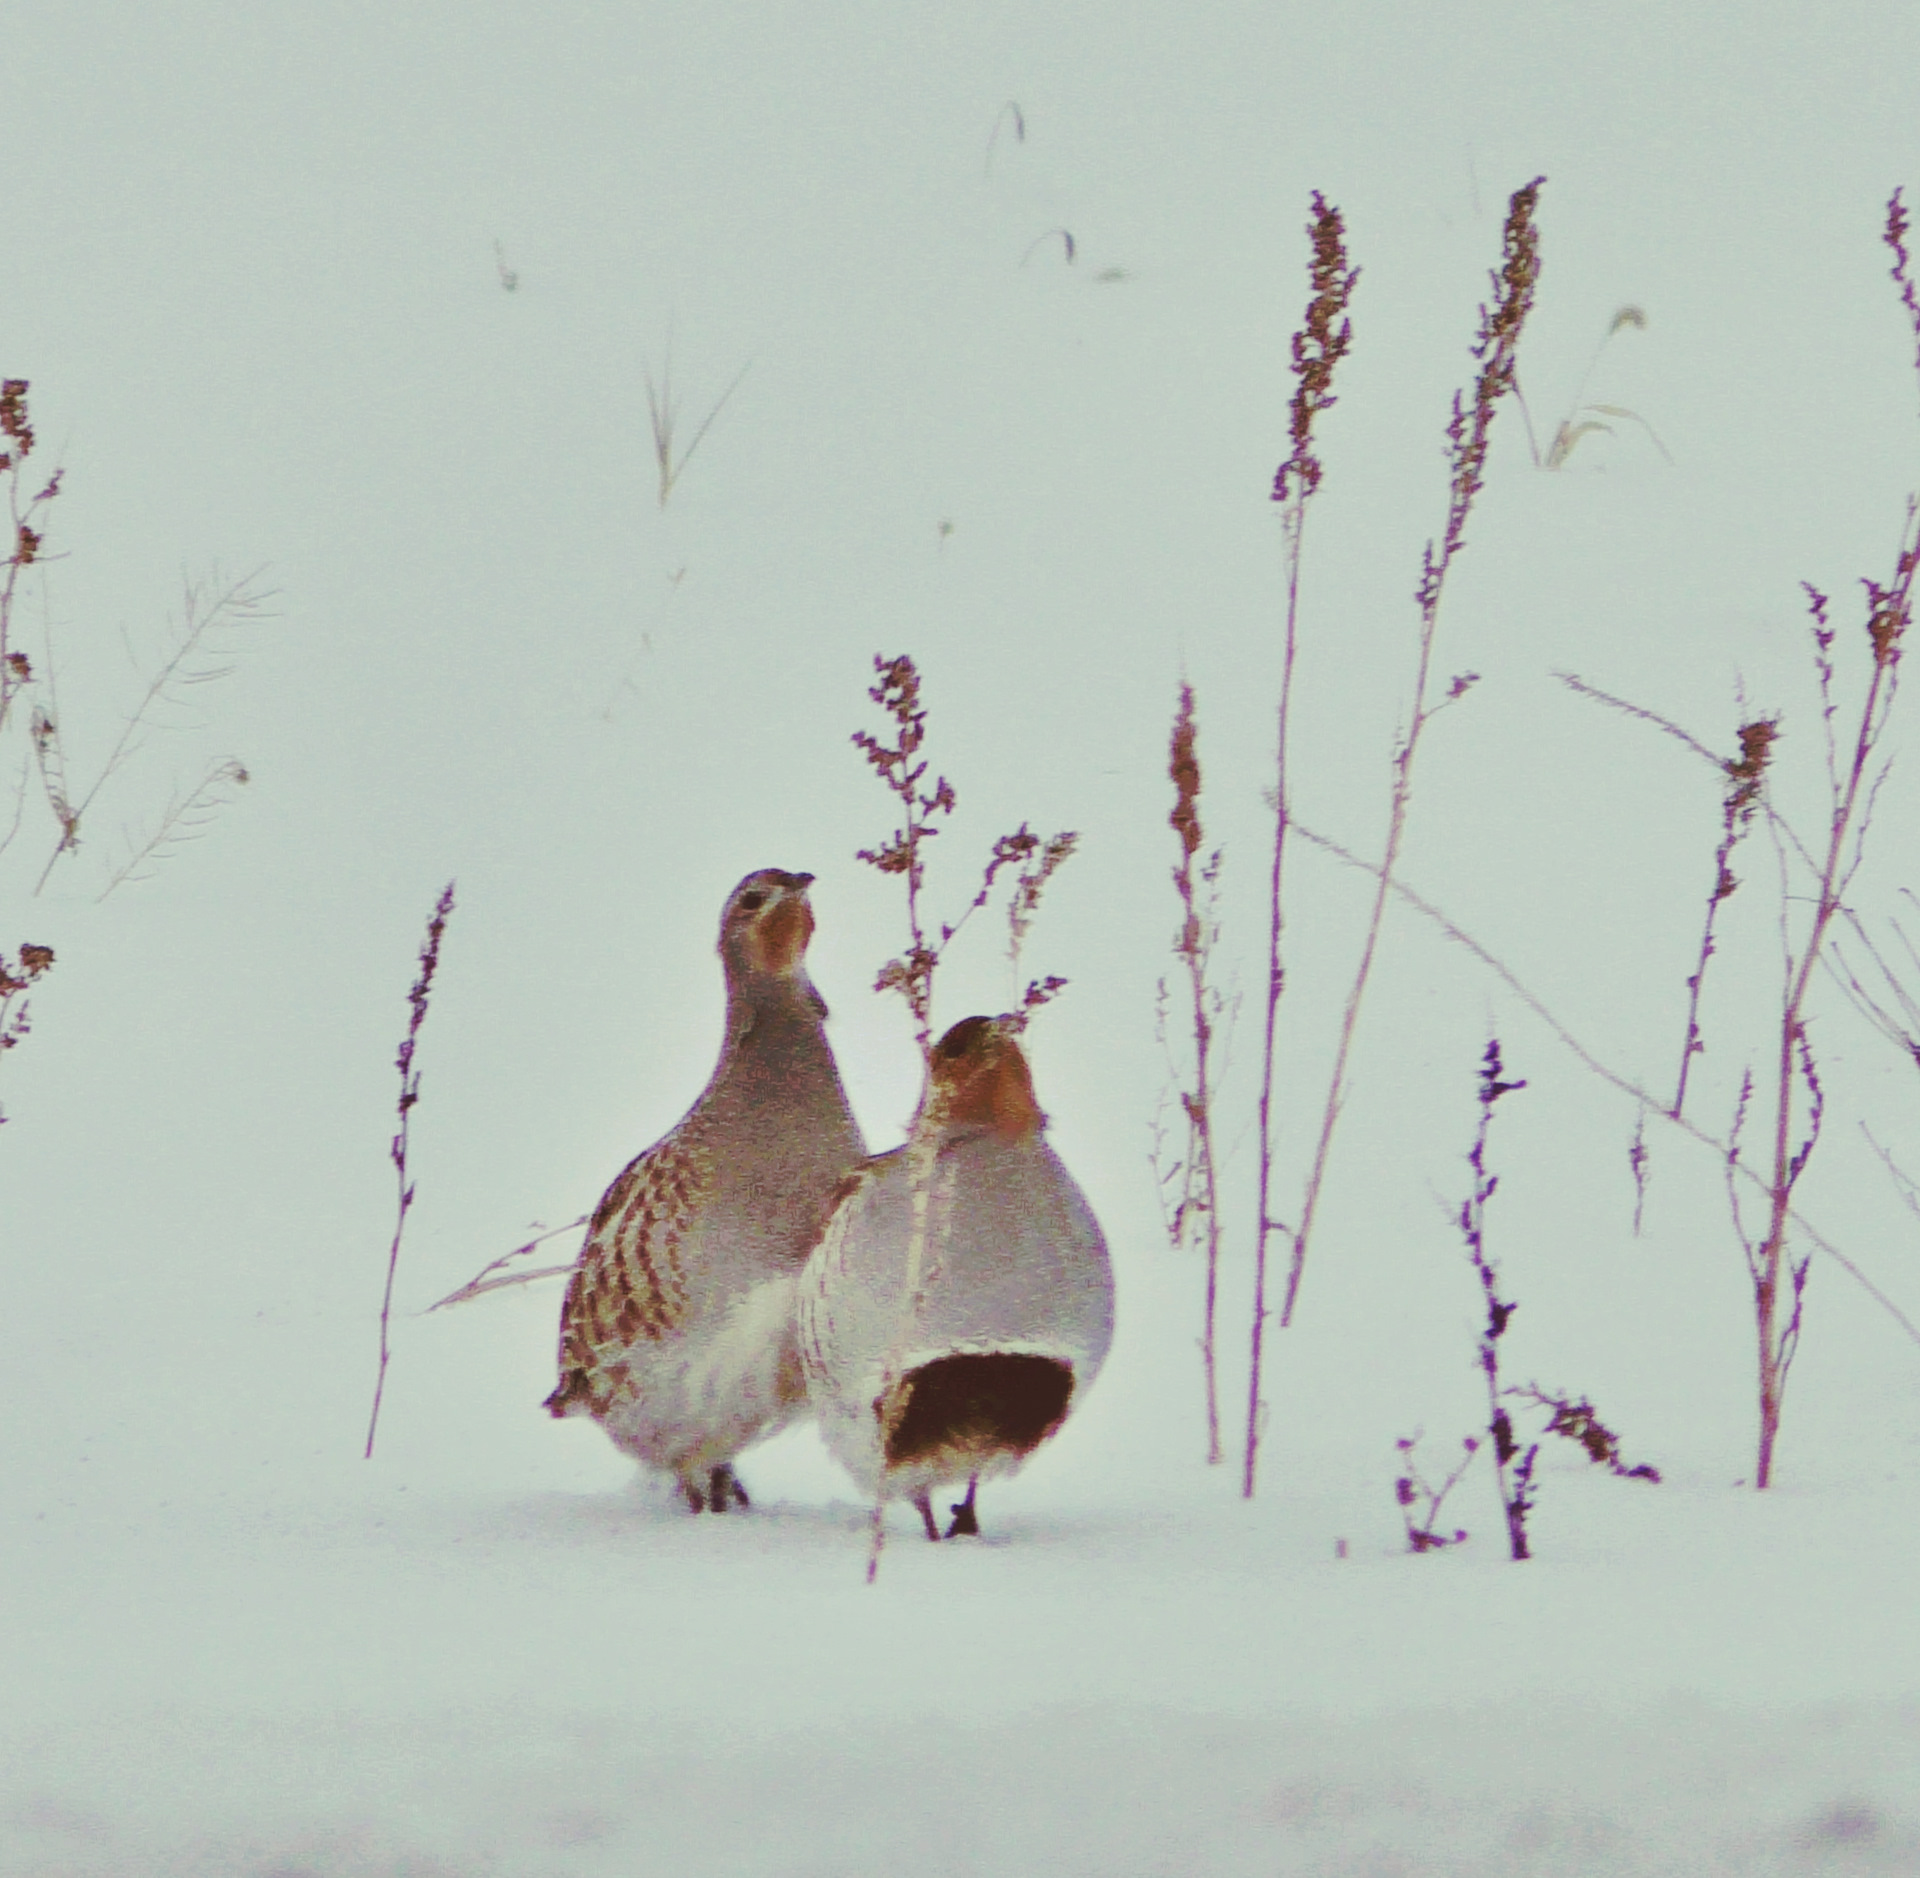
column 752, row 902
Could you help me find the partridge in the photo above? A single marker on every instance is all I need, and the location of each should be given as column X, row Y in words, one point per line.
column 678, row 1335
column 960, row 1301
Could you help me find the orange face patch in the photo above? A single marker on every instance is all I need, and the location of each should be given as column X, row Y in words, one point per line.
column 780, row 936
column 999, row 1094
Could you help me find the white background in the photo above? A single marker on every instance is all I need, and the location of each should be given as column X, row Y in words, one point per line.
column 251, row 275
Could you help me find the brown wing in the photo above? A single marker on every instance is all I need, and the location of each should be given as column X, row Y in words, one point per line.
column 629, row 1285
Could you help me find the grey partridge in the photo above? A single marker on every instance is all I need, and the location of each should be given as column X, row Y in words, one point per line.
column 678, row 1335
column 960, row 1302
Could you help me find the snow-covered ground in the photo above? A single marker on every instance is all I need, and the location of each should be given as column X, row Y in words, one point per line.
column 257, row 266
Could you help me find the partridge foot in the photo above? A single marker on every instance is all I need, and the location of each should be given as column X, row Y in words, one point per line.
column 722, row 1492
column 965, row 1524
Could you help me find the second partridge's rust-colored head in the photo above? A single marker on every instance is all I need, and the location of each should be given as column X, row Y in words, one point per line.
column 980, row 1079
column 765, row 925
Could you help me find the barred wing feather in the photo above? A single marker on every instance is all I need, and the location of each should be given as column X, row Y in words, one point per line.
column 630, row 1283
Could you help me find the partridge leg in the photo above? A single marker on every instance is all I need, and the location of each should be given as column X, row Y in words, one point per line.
column 925, row 1506
column 964, row 1523
column 724, row 1490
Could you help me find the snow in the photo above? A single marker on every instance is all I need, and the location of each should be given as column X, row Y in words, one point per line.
column 253, row 282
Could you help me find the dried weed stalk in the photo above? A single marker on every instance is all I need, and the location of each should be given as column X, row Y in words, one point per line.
column 397, row 1150
column 1469, row 431
column 1411, row 1489
column 1746, row 777
column 1583, row 418
column 15, row 1008
column 485, row 1280
column 27, row 689
column 26, row 534
column 924, row 807
column 663, row 412
column 1779, row 1279
column 1895, row 236
column 1323, row 339
column 1795, row 1094
column 1191, row 1179
column 1515, row 1483
column 200, row 654
column 1573, row 1419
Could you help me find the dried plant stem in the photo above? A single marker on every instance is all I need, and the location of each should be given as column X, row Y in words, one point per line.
column 203, row 617
column 26, row 526
column 1889, row 610
column 1895, row 236
column 484, row 1280
column 1746, row 776
column 15, row 980
column 663, row 412
column 1322, row 341
column 26, row 532
column 1200, row 1186
column 1468, row 433
column 901, row 768
column 1781, row 827
column 397, row 1152
column 1516, row 1499
column 1424, row 1534
column 185, row 818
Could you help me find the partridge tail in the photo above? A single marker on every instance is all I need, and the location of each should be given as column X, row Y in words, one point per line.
column 574, row 1396
column 969, row 1407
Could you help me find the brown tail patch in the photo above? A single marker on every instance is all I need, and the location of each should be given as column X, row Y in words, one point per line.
column 973, row 1406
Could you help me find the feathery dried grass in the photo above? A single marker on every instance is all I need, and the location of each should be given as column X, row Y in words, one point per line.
column 663, row 414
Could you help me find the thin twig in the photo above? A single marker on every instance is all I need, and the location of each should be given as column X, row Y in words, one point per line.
column 1903, row 1182
column 483, row 1281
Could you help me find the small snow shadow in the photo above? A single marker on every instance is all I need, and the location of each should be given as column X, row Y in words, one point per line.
column 1852, row 1835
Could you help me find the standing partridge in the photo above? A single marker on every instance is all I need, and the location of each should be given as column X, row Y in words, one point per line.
column 960, row 1301
column 677, row 1335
